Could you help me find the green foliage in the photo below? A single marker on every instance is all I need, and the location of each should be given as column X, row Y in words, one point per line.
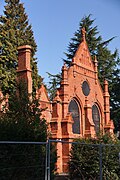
column 115, row 102
column 86, row 154
column 94, row 40
column 15, row 31
column 23, row 122
column 24, row 112
column 53, row 84
column 108, row 62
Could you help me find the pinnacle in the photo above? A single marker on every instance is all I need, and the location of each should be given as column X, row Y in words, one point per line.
column 83, row 33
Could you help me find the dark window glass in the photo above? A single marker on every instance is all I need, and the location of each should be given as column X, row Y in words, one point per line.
column 85, row 88
column 74, row 109
column 96, row 118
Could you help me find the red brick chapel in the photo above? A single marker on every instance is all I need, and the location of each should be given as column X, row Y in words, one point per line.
column 80, row 109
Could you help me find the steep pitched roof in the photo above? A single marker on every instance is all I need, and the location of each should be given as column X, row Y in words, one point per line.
column 82, row 56
column 42, row 94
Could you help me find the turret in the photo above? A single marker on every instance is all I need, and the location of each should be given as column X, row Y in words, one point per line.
column 64, row 91
column 106, row 102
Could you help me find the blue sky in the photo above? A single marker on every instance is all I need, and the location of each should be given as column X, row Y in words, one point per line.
column 55, row 21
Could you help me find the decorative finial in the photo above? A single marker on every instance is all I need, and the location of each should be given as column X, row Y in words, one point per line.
column 83, row 33
column 95, row 59
column 64, row 66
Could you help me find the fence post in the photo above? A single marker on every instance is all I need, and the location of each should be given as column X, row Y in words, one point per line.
column 48, row 164
column 46, row 161
column 100, row 160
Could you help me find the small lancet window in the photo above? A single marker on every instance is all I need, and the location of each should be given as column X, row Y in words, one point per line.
column 74, row 109
column 96, row 118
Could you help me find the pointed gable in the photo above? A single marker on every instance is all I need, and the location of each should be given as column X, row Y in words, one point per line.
column 82, row 56
column 42, row 94
column 45, row 104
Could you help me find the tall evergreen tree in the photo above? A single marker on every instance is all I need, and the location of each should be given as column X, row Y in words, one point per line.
column 23, row 122
column 108, row 62
column 115, row 102
column 91, row 39
column 53, row 84
column 15, row 31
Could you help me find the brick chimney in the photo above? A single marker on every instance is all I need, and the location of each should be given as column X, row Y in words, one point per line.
column 24, row 70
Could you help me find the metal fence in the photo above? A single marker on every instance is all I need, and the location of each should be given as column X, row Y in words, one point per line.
column 32, row 160
column 93, row 161
column 23, row 160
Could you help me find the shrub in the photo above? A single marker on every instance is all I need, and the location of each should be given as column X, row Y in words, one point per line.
column 87, row 154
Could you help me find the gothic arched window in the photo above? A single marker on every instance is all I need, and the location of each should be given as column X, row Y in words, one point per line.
column 74, row 109
column 96, row 117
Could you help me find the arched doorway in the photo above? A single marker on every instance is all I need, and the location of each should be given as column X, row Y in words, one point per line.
column 96, row 117
column 74, row 109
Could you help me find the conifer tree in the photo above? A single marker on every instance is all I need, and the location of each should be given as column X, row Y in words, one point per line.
column 15, row 31
column 23, row 122
column 53, row 84
column 108, row 62
column 91, row 39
